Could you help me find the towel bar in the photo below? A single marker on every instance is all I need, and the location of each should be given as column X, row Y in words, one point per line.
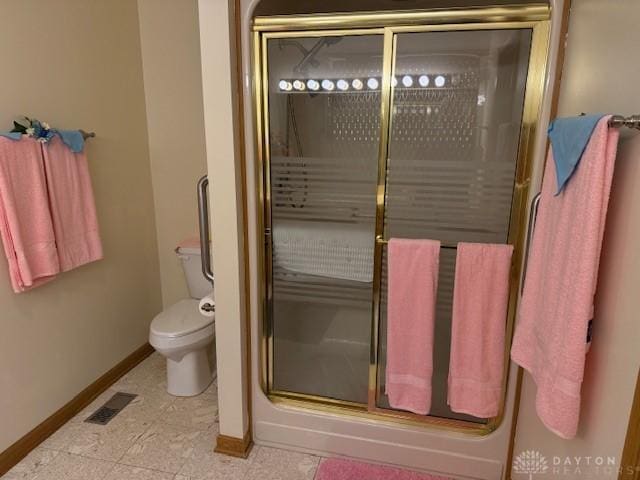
column 620, row 121
column 86, row 135
column 384, row 241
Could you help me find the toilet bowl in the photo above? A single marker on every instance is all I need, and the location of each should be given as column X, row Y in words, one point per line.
column 184, row 336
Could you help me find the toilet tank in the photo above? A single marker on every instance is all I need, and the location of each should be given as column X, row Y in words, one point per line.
column 191, row 265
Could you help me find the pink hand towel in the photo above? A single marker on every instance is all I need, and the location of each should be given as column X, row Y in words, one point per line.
column 413, row 284
column 557, row 303
column 73, row 209
column 25, row 219
column 480, row 301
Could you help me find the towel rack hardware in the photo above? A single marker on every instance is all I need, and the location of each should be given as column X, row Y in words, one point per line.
column 86, row 135
column 620, row 121
column 384, row 241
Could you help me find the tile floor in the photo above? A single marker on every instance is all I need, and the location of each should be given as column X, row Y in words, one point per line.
column 156, row 437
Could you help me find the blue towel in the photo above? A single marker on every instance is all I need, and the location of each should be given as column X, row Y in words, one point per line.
column 72, row 139
column 569, row 138
column 11, row 135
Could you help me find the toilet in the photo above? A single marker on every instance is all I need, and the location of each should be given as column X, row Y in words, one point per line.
column 183, row 335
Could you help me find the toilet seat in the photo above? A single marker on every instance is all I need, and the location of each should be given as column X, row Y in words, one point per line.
column 180, row 319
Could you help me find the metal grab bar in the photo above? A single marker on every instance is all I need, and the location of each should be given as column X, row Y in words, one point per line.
column 533, row 213
column 203, row 219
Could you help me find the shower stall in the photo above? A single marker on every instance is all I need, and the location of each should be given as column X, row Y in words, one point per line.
column 368, row 126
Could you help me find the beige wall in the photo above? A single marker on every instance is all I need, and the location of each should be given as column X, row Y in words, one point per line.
column 598, row 77
column 77, row 64
column 173, row 88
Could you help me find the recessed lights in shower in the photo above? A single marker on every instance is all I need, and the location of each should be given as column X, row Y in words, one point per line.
column 359, row 84
column 285, row 85
column 328, row 85
column 342, row 85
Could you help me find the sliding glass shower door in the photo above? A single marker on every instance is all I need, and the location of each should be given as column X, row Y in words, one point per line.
column 407, row 131
column 456, row 116
column 324, row 132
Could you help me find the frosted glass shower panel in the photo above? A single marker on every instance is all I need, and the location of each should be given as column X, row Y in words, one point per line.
column 454, row 135
column 324, row 131
column 457, row 103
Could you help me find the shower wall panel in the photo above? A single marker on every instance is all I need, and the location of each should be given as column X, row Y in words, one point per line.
column 323, row 177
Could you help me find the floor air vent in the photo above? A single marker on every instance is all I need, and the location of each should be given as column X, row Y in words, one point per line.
column 114, row 405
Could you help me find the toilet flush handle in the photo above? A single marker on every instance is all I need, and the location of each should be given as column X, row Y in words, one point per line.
column 203, row 217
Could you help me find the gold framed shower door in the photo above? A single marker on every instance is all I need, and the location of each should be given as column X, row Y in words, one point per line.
column 389, row 25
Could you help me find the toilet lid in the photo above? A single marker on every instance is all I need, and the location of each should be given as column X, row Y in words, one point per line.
column 181, row 318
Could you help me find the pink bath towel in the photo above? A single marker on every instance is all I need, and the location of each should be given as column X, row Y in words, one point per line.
column 25, row 220
column 73, row 209
column 480, row 301
column 413, row 284
column 557, row 304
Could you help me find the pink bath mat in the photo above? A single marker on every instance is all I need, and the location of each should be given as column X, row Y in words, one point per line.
column 340, row 469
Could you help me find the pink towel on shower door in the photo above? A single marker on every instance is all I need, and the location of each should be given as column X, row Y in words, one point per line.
column 480, row 301
column 73, row 209
column 413, row 284
column 557, row 304
column 25, row 219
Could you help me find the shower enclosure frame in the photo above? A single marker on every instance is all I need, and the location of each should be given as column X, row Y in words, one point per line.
column 390, row 25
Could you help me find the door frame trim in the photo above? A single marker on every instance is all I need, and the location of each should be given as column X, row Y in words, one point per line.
column 631, row 452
